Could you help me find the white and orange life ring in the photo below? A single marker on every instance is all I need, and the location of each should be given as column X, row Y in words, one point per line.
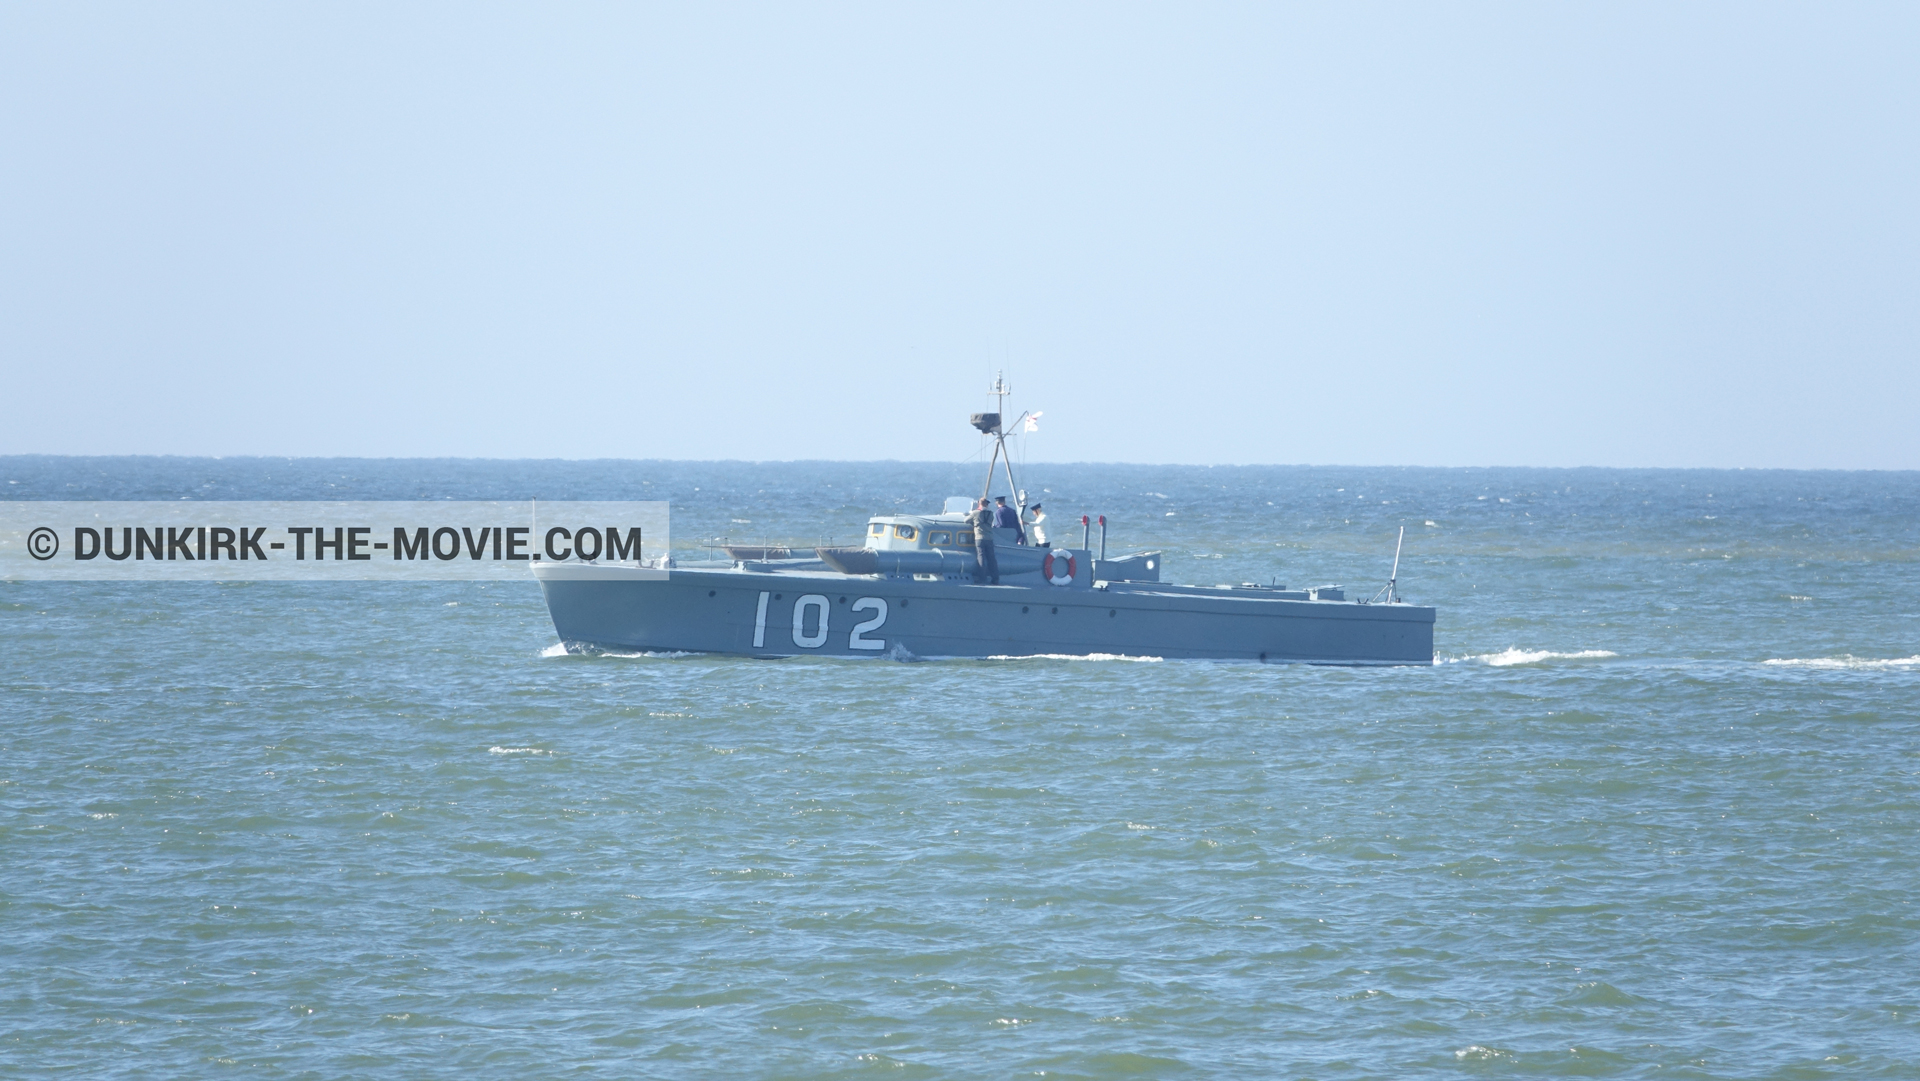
column 1062, row 560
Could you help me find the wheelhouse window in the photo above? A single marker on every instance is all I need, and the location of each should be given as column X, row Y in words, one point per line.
column 966, row 538
column 904, row 532
column 940, row 539
column 876, row 529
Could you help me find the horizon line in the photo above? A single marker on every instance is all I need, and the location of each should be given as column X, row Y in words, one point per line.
column 940, row 462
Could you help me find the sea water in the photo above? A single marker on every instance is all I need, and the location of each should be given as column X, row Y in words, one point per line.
column 1652, row 812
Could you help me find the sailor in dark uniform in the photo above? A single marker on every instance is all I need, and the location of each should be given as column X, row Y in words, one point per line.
column 987, row 562
column 1006, row 517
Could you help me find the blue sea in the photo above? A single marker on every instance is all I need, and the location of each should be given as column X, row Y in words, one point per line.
column 1654, row 811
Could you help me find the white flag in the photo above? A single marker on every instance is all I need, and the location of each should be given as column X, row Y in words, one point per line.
column 1033, row 421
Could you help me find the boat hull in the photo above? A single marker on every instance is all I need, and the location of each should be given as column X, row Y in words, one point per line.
column 782, row 615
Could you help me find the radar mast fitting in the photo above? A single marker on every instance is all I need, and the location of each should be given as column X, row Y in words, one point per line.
column 989, row 424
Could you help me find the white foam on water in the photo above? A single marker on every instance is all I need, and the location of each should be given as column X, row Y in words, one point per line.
column 1075, row 657
column 1507, row 658
column 516, row 750
column 559, row 649
column 1846, row 661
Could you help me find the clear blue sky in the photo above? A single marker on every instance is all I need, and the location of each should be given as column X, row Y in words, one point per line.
column 1528, row 234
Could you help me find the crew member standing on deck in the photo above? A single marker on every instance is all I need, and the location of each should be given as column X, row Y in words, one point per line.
column 1005, row 517
column 987, row 562
column 1037, row 527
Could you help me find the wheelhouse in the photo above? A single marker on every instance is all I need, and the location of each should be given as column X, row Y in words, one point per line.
column 919, row 532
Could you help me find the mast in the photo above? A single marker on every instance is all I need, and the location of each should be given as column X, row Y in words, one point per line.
column 1391, row 590
column 1393, row 579
column 987, row 488
column 1001, row 390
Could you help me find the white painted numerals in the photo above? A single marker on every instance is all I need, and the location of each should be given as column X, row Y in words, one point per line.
column 819, row 636
column 814, row 609
column 878, row 606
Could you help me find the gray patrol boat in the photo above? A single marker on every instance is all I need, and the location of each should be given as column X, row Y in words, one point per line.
column 910, row 592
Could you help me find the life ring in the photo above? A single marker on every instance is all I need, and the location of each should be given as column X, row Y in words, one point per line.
column 1054, row 559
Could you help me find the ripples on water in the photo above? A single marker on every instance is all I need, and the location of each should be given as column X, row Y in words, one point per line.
column 1653, row 815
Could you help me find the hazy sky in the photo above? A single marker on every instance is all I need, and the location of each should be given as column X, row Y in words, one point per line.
column 1528, row 234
